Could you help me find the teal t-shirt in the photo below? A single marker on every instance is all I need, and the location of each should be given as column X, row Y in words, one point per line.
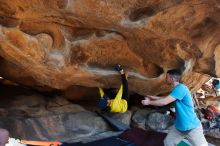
column 186, row 118
column 217, row 86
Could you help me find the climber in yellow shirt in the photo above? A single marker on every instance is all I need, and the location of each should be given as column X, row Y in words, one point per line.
column 115, row 103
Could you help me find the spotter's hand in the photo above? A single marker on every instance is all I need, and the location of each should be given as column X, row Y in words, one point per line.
column 146, row 101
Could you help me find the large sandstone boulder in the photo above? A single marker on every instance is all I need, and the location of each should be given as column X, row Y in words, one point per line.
column 37, row 117
column 55, row 44
column 66, row 127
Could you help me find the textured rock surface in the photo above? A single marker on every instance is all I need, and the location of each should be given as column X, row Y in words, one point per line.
column 59, row 43
column 139, row 118
column 37, row 117
column 64, row 127
column 149, row 119
column 158, row 122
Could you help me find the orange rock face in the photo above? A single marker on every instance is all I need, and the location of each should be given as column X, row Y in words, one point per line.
column 59, row 43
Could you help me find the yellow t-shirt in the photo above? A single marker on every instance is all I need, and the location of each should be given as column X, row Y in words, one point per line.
column 118, row 104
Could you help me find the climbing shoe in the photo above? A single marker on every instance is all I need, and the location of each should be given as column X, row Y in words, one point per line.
column 118, row 67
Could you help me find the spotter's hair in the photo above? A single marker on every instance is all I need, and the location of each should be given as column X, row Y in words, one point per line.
column 175, row 73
